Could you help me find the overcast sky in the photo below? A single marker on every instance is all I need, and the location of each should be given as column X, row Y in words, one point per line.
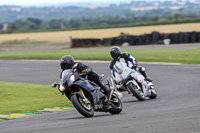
column 36, row 2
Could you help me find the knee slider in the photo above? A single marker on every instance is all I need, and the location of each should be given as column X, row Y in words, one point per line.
column 142, row 69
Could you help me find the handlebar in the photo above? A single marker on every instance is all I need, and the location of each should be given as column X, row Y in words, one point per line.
column 54, row 84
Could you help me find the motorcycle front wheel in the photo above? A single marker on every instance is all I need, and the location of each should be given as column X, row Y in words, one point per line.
column 137, row 92
column 82, row 106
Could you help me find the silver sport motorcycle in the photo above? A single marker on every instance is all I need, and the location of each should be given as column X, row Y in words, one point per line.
column 134, row 82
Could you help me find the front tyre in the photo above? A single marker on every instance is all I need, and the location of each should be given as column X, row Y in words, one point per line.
column 82, row 106
column 137, row 92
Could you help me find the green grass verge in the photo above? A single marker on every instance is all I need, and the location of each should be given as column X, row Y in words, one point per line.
column 184, row 56
column 20, row 97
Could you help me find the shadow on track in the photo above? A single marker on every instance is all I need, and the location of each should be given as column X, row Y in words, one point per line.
column 95, row 116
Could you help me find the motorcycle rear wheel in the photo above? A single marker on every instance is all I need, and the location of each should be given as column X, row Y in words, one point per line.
column 83, row 108
column 153, row 93
column 116, row 107
column 136, row 92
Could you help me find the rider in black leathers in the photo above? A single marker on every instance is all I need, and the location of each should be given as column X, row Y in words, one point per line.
column 126, row 58
column 67, row 62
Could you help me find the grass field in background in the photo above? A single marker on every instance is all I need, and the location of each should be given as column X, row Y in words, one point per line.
column 184, row 56
column 19, row 97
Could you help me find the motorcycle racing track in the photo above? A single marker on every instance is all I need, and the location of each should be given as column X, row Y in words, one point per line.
column 176, row 110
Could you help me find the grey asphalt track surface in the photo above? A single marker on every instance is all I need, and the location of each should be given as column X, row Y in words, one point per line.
column 176, row 110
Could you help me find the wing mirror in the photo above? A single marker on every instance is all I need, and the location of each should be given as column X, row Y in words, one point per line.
column 54, row 84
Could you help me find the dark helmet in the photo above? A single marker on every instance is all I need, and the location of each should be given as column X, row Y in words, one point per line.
column 66, row 62
column 115, row 52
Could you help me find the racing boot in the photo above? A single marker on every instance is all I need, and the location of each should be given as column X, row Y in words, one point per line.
column 106, row 90
column 143, row 72
column 146, row 77
column 106, row 104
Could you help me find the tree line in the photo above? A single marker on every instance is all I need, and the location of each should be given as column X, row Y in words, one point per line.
column 34, row 24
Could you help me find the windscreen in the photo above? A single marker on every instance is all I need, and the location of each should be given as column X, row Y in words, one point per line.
column 65, row 75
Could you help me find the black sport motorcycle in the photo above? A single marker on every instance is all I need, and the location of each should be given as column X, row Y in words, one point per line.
column 86, row 96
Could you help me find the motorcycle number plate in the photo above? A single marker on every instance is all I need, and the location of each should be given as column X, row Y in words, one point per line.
column 139, row 78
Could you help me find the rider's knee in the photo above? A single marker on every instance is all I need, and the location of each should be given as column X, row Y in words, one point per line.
column 141, row 69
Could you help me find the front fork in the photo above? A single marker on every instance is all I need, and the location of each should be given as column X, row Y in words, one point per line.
column 84, row 98
column 111, row 86
column 81, row 93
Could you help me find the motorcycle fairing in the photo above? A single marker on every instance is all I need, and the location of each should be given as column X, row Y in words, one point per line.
column 93, row 90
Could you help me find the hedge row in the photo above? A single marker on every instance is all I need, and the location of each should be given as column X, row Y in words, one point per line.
column 145, row 39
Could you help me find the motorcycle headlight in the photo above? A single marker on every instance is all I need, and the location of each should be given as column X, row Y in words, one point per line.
column 72, row 79
column 62, row 88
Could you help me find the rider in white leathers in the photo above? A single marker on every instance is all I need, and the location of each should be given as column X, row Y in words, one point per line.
column 128, row 59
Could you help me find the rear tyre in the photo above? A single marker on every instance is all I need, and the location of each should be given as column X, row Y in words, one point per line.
column 116, row 104
column 81, row 106
column 116, row 107
column 137, row 92
column 153, row 93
